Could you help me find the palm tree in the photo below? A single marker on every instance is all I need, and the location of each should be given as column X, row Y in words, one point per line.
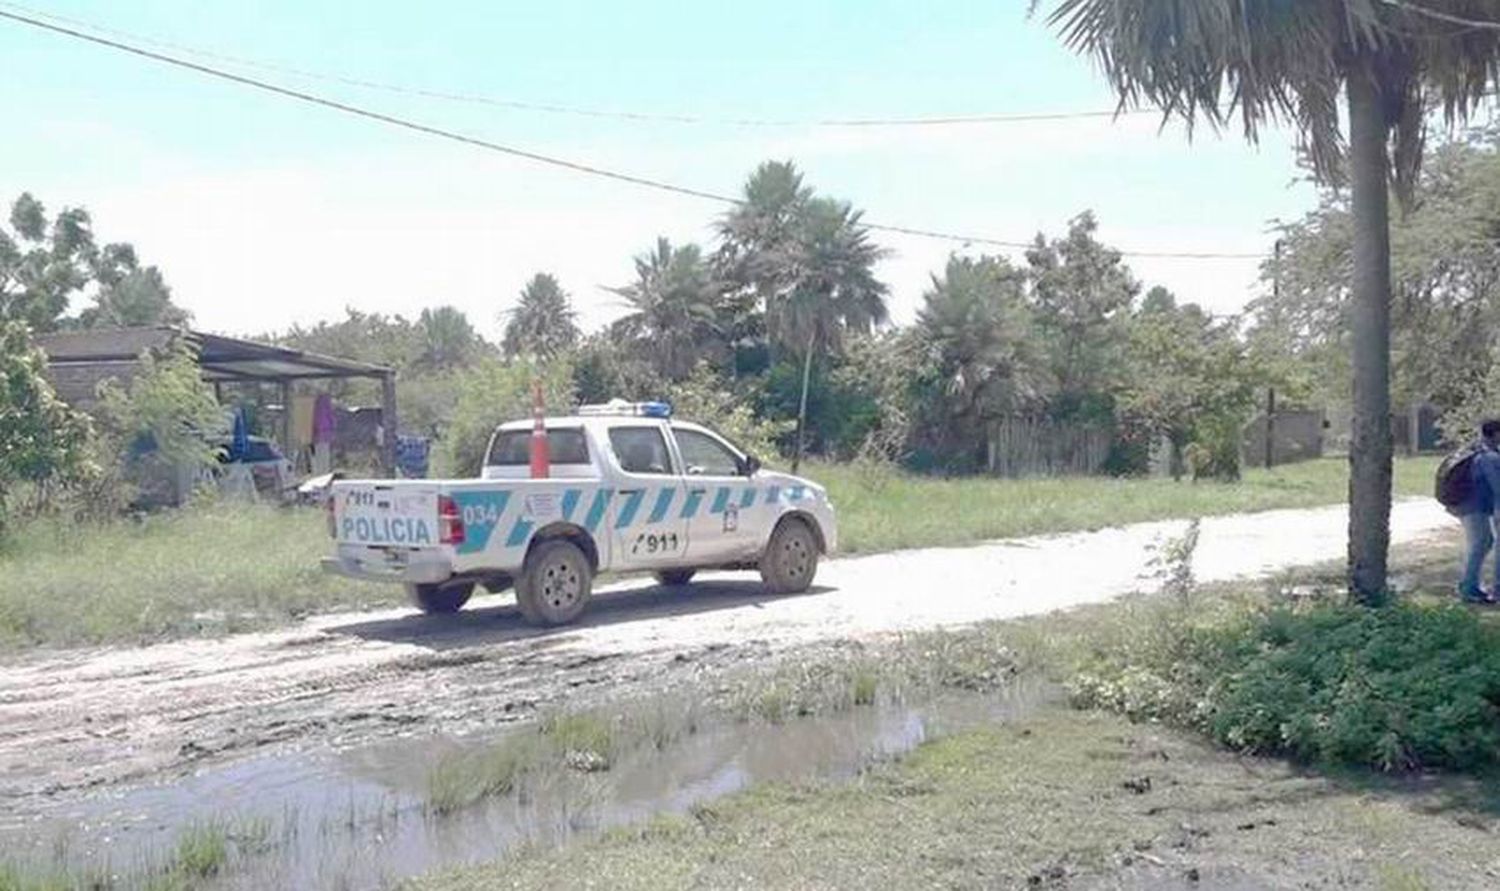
column 674, row 314
column 828, row 289
column 1271, row 60
column 976, row 332
column 542, row 324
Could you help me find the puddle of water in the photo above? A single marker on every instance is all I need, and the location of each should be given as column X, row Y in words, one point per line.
column 359, row 819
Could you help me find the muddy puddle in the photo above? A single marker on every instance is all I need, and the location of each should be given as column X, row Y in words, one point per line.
column 364, row 818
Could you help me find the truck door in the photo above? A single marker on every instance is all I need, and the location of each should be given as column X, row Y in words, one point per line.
column 648, row 517
column 726, row 525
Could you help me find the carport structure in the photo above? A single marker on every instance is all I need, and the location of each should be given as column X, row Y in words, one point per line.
column 78, row 360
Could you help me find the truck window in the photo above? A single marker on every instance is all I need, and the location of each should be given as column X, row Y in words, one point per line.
column 706, row 456
column 512, row 448
column 641, row 450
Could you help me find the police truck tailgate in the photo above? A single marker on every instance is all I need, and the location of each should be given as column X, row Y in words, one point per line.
column 386, row 514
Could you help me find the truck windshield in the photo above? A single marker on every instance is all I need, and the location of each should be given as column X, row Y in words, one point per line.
column 512, row 448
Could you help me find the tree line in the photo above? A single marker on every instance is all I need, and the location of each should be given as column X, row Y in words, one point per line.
column 783, row 321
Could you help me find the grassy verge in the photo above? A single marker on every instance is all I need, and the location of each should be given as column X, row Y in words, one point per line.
column 235, row 567
column 227, row 568
column 1067, row 798
column 881, row 509
column 1061, row 798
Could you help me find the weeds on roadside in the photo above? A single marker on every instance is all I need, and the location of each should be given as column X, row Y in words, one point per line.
column 1397, row 688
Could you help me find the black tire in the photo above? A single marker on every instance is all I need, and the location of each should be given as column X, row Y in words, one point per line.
column 555, row 584
column 448, row 597
column 791, row 559
column 675, row 578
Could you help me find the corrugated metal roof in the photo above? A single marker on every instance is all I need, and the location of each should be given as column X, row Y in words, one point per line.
column 222, row 358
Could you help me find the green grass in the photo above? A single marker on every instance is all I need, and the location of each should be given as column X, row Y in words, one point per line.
column 880, row 509
column 200, row 852
column 1042, row 803
column 238, row 567
column 220, row 569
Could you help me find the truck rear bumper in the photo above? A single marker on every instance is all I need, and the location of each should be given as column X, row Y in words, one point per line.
column 409, row 568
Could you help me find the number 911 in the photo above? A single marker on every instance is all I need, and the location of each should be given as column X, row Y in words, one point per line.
column 656, row 543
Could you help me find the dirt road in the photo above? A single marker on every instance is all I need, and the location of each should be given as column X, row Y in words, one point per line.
column 79, row 720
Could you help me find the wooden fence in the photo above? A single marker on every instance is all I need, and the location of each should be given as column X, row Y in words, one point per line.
column 1022, row 447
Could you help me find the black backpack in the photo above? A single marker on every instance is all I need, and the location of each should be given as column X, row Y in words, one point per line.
column 1455, row 477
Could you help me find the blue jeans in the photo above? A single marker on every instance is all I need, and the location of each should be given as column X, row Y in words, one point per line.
column 1479, row 530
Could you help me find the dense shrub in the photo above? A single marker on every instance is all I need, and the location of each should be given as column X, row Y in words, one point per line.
column 1398, row 688
column 44, row 444
column 491, row 393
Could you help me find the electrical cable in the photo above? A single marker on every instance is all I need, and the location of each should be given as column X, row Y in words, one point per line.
column 553, row 108
column 536, row 157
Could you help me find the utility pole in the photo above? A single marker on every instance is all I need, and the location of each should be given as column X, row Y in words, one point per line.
column 1271, row 391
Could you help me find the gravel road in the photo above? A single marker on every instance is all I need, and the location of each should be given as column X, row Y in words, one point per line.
column 85, row 720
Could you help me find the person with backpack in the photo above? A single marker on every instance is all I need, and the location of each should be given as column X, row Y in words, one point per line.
column 1468, row 484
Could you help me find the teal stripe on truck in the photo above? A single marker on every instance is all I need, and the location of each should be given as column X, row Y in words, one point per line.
column 629, row 509
column 596, row 510
column 663, row 504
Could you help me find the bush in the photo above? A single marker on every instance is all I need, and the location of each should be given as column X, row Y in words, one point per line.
column 160, row 426
column 1398, row 688
column 489, row 394
column 703, row 399
column 44, row 444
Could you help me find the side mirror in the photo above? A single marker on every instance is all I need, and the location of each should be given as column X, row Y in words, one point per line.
column 752, row 465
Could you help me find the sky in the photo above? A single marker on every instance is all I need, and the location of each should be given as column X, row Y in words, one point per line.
column 264, row 212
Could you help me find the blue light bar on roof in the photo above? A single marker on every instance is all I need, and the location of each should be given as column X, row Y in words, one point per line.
column 621, row 408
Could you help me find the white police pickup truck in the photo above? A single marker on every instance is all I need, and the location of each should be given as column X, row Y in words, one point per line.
column 629, row 490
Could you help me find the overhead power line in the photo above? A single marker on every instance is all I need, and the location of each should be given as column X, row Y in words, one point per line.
column 578, row 111
column 1439, row 15
column 536, row 157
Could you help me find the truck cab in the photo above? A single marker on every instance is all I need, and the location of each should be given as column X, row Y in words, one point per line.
column 628, row 489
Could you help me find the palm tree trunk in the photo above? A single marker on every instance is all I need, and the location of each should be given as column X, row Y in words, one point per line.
column 1370, row 330
column 802, row 406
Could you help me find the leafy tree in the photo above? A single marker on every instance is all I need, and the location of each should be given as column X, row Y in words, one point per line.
column 376, row 338
column 43, row 262
column 163, row 422
column 491, row 393
column 1081, row 295
column 703, row 397
column 977, row 336
column 674, row 311
column 43, row 442
column 131, row 296
column 448, row 339
column 1445, row 319
column 1280, row 60
column 542, row 324
column 1189, row 381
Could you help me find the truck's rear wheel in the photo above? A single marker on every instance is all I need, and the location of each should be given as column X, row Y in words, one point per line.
column 448, row 597
column 675, row 578
column 555, row 584
column 791, row 558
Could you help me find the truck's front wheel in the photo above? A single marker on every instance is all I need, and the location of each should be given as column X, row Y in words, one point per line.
column 448, row 597
column 555, row 584
column 791, row 558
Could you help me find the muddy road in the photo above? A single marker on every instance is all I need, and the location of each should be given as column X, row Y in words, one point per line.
column 81, row 721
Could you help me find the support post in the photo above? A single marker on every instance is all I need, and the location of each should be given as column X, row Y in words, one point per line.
column 286, row 422
column 1270, row 427
column 388, row 425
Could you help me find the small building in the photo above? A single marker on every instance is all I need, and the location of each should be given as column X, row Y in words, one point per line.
column 78, row 361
